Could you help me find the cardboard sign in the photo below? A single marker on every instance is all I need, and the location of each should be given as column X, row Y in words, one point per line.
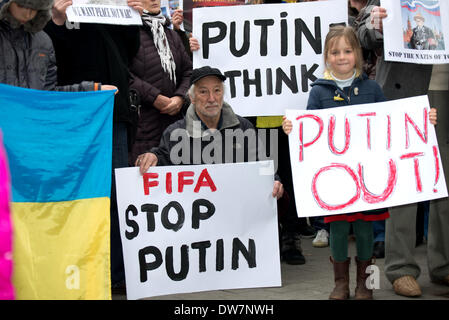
column 270, row 53
column 416, row 31
column 196, row 228
column 103, row 11
column 364, row 157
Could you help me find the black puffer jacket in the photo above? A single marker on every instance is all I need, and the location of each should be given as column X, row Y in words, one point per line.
column 100, row 53
column 149, row 80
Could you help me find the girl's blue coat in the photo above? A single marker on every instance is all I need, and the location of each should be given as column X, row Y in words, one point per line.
column 362, row 90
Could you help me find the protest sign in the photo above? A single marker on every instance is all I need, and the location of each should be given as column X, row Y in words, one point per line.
column 197, row 228
column 172, row 5
column 270, row 53
column 363, row 157
column 168, row 7
column 103, row 11
column 416, row 31
column 189, row 5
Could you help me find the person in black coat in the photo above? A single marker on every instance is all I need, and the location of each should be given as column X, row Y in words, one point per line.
column 101, row 53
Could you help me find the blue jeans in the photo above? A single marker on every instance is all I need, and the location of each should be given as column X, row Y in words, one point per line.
column 379, row 230
column 426, row 217
column 318, row 223
column 119, row 160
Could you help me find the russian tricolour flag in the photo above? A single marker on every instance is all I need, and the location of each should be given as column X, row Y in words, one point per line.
column 59, row 149
column 430, row 6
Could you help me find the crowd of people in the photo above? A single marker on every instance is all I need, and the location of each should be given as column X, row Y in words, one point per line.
column 158, row 91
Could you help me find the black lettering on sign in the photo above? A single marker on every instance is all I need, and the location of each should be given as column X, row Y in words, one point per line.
column 315, row 42
column 284, row 34
column 184, row 270
column 281, row 77
column 197, row 215
column 248, row 254
column 180, row 216
column 219, row 258
column 150, row 209
column 307, row 75
column 231, row 75
column 207, row 40
column 131, row 223
column 202, row 246
column 247, row 82
column 264, row 24
column 232, row 42
column 144, row 265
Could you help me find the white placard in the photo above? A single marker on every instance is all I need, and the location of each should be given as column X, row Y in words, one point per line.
column 271, row 68
column 103, row 11
column 406, row 41
column 196, row 228
column 363, row 157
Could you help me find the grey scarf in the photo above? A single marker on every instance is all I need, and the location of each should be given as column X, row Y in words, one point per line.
column 156, row 24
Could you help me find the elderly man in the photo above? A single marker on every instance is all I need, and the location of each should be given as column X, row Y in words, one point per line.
column 203, row 135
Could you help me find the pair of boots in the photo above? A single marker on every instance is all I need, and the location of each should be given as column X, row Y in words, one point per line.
column 341, row 276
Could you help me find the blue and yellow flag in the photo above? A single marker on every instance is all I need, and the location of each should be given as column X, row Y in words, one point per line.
column 59, row 148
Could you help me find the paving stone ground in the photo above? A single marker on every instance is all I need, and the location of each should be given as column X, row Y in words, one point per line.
column 314, row 281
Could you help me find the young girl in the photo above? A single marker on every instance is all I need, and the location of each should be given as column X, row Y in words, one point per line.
column 27, row 57
column 345, row 84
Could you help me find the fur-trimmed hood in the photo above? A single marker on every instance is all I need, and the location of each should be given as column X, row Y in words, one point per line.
column 43, row 15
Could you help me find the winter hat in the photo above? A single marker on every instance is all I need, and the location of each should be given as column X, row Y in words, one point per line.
column 43, row 15
column 200, row 73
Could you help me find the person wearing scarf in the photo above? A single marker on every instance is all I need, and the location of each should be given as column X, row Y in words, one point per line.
column 160, row 75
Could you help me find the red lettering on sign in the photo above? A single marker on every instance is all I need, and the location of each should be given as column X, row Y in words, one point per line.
column 389, row 133
column 331, row 136
column 329, row 207
column 184, row 182
column 437, row 166
column 368, row 126
column 146, row 182
column 205, row 180
column 303, row 145
column 413, row 156
column 422, row 135
column 168, row 183
column 370, row 197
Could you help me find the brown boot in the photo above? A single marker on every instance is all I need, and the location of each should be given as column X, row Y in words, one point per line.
column 361, row 291
column 341, row 276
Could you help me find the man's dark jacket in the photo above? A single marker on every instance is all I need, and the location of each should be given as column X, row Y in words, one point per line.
column 191, row 141
column 398, row 80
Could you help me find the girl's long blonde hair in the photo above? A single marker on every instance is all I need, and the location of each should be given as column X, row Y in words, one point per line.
column 348, row 33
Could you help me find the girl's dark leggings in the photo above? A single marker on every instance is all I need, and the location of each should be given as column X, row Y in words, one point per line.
column 339, row 232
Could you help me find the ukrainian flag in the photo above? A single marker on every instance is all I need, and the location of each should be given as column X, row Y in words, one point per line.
column 59, row 148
